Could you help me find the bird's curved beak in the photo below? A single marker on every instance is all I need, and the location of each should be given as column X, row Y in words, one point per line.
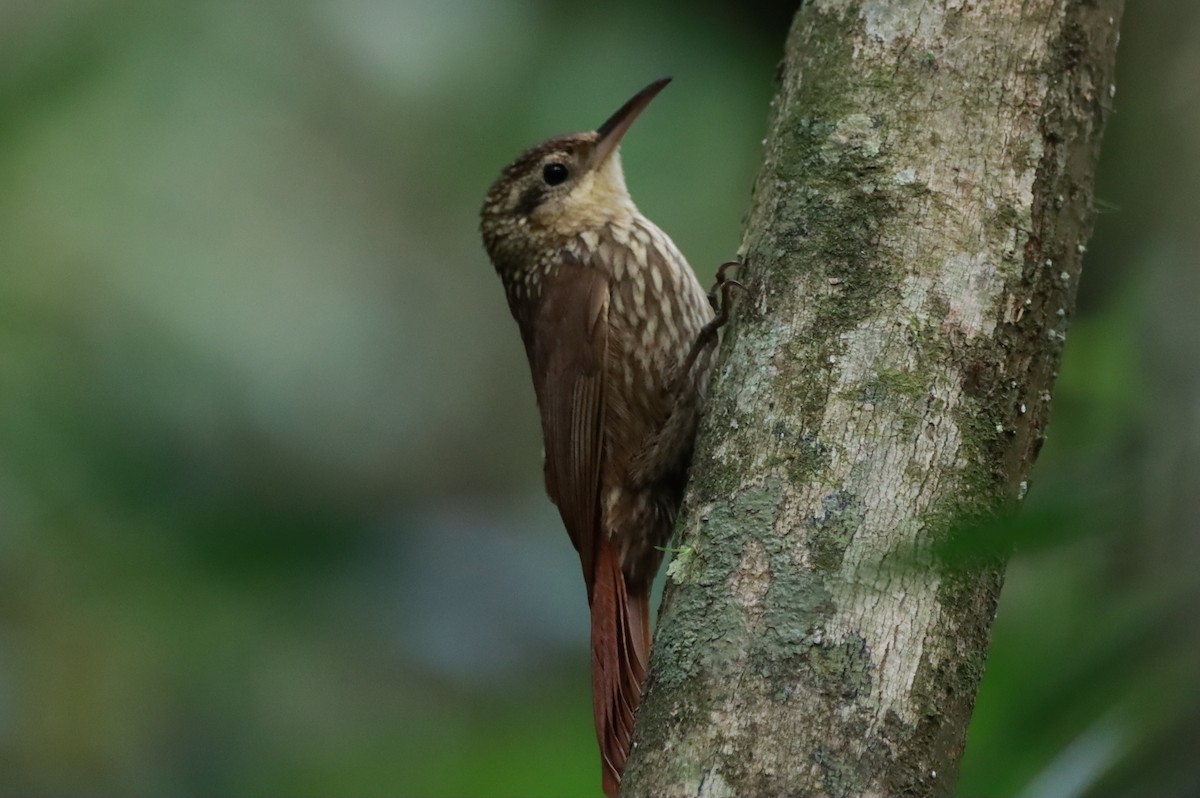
column 614, row 128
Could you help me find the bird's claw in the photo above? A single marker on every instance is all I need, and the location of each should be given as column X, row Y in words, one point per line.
column 720, row 306
column 724, row 284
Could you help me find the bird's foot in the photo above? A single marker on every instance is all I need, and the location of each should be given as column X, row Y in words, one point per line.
column 723, row 284
column 719, row 298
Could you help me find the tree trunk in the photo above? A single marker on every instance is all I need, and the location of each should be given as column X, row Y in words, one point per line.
column 912, row 256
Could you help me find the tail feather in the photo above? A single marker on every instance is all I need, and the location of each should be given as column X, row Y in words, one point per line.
column 620, row 651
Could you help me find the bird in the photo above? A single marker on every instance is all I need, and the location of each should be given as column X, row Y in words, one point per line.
column 620, row 338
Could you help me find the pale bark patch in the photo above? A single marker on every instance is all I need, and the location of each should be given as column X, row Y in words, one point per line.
column 751, row 580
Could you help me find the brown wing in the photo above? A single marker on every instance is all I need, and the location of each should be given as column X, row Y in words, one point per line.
column 567, row 342
column 567, row 352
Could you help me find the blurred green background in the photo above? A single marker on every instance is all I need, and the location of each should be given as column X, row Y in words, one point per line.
column 271, row 516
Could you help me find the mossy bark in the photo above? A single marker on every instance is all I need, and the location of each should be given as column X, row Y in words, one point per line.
column 912, row 254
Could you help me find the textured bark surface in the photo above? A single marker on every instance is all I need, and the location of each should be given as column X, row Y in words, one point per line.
column 913, row 251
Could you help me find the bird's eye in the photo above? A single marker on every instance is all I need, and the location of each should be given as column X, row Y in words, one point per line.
column 554, row 173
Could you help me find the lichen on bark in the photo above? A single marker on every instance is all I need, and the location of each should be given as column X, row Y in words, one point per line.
column 884, row 384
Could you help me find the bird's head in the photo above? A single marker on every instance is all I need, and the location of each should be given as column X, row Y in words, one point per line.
column 561, row 187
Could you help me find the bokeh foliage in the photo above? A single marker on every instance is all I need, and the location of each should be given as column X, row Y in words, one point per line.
column 270, row 506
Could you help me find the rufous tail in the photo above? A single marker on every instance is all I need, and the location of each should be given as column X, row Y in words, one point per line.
column 620, row 652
